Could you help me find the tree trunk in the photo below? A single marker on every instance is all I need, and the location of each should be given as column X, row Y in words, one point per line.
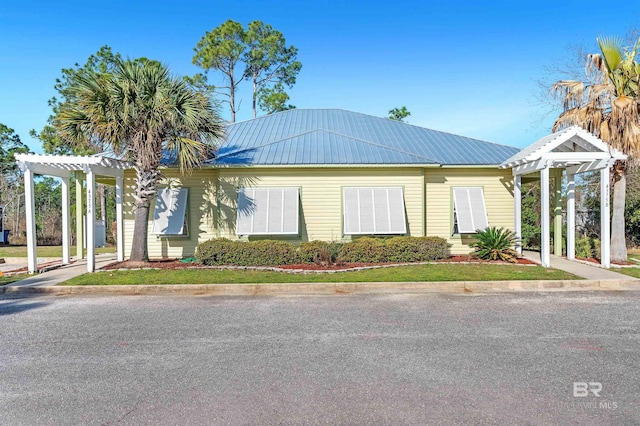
column 144, row 192
column 255, row 95
column 139, row 251
column 232, row 98
column 618, row 239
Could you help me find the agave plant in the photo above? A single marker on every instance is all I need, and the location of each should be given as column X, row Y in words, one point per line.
column 495, row 243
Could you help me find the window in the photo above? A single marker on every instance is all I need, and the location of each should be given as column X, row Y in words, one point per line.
column 469, row 210
column 169, row 214
column 374, row 211
column 267, row 211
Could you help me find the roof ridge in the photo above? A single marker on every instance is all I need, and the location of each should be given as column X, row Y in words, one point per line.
column 270, row 143
column 421, row 128
column 320, row 129
column 413, row 154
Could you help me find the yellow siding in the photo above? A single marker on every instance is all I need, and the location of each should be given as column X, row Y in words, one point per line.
column 321, row 195
column 213, row 197
column 498, row 196
column 201, row 214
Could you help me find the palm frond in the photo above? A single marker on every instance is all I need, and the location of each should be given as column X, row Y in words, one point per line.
column 612, row 52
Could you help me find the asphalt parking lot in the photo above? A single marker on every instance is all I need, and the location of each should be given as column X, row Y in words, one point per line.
column 525, row 358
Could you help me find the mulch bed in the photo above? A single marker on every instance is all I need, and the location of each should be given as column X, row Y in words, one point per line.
column 176, row 264
column 594, row 260
column 471, row 259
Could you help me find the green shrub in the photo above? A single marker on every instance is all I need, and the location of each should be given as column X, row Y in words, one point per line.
column 365, row 249
column 310, row 251
column 495, row 244
column 222, row 251
column 334, row 248
column 587, row 248
column 396, row 249
column 319, row 252
column 269, row 253
column 416, row 249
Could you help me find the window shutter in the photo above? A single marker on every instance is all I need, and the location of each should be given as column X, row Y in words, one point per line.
column 351, row 211
column 470, row 210
column 169, row 212
column 374, row 211
column 268, row 211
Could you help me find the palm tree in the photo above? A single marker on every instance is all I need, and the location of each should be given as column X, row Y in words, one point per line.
column 608, row 107
column 140, row 110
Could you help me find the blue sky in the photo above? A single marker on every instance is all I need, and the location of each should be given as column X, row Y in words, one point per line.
column 465, row 67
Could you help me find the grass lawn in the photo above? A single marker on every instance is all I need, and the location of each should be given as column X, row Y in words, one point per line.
column 632, row 272
column 45, row 251
column 8, row 279
column 455, row 272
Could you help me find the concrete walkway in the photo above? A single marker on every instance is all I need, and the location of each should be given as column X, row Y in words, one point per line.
column 581, row 269
column 63, row 273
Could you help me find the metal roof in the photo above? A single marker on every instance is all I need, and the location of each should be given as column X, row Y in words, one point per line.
column 339, row 137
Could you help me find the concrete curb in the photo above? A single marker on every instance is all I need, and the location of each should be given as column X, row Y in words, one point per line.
column 331, row 288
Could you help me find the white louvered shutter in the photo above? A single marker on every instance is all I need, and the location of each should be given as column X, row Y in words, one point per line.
column 470, row 210
column 169, row 212
column 374, row 211
column 268, row 211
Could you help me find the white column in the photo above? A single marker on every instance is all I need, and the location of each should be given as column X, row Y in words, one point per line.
column 605, row 221
column 66, row 232
column 517, row 201
column 91, row 221
column 571, row 216
column 79, row 216
column 29, row 203
column 557, row 212
column 545, row 248
column 119, row 218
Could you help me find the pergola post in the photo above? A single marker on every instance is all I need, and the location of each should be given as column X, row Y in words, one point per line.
column 517, row 201
column 119, row 218
column 545, row 248
column 91, row 220
column 79, row 216
column 605, row 222
column 571, row 216
column 66, row 233
column 29, row 202
column 557, row 213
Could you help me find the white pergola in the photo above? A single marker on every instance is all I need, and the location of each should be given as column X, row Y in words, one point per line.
column 96, row 168
column 575, row 151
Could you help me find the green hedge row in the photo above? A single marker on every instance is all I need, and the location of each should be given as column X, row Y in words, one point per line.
column 222, row 251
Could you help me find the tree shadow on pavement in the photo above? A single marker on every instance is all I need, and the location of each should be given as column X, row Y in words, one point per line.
column 16, row 304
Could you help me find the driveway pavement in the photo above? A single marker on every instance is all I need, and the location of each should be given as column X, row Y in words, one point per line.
column 523, row 358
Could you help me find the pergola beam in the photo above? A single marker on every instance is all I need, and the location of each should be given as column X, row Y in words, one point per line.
column 530, row 167
column 589, row 167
